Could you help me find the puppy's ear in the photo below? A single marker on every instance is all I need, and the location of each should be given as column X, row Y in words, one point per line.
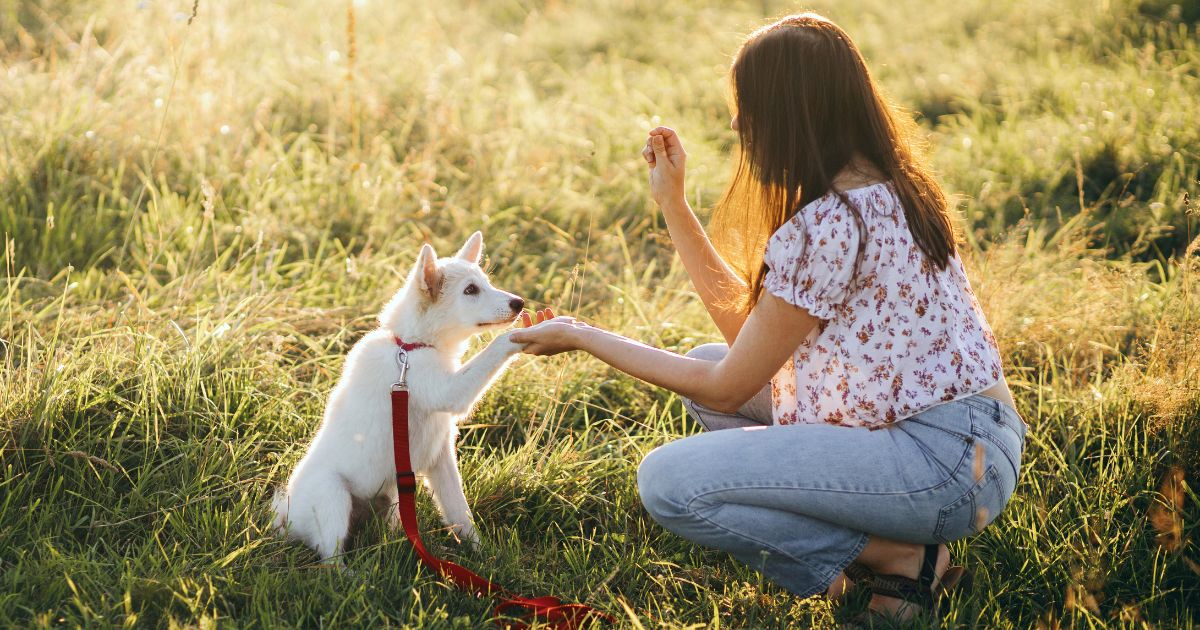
column 472, row 250
column 429, row 278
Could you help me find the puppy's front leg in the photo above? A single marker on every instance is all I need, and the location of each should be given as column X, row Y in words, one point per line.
column 467, row 385
column 445, row 484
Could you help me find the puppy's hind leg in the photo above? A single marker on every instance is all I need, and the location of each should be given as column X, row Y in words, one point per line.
column 319, row 515
column 445, row 483
column 387, row 501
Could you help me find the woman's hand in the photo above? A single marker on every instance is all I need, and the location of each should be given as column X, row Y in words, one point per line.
column 666, row 158
column 549, row 336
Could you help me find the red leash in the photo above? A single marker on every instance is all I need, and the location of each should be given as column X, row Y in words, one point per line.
column 548, row 610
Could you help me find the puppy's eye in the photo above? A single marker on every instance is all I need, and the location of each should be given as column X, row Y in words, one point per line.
column 471, row 290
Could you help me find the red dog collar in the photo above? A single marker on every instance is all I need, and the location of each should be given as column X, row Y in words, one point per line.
column 409, row 347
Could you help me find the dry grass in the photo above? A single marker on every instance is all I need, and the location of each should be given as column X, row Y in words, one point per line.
column 202, row 206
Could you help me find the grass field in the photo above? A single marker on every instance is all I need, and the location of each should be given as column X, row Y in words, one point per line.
column 201, row 213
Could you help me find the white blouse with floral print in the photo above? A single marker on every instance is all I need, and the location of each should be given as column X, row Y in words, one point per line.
column 901, row 337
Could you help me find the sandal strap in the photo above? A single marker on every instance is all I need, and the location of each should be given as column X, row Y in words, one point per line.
column 928, row 568
column 918, row 591
column 859, row 574
column 901, row 587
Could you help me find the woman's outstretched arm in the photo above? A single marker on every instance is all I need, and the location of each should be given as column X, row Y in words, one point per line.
column 713, row 279
column 772, row 332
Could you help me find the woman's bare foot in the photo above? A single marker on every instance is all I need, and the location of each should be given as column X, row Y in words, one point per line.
column 838, row 589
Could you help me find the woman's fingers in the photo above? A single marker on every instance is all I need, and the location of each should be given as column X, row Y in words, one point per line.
column 667, row 134
column 672, row 141
column 528, row 342
column 665, row 143
column 528, row 319
column 525, row 337
column 659, row 146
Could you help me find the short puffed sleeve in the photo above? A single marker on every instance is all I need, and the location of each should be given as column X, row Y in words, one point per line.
column 810, row 260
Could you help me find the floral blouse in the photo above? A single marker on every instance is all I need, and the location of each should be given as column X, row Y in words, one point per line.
column 902, row 337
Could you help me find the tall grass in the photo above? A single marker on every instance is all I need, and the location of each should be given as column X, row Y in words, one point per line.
column 200, row 219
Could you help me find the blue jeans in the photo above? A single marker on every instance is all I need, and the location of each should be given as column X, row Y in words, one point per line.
column 798, row 502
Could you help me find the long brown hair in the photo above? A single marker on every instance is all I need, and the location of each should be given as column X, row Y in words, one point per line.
column 806, row 105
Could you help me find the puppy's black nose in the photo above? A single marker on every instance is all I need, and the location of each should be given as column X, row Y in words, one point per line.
column 516, row 304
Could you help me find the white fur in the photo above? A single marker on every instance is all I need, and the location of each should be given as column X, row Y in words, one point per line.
column 351, row 455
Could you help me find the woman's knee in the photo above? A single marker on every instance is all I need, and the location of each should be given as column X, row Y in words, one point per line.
column 663, row 478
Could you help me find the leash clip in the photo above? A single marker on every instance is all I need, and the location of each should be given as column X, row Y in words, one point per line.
column 402, row 361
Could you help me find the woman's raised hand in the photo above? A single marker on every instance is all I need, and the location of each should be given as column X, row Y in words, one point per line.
column 666, row 158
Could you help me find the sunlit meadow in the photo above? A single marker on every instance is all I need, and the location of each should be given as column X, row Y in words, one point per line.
column 203, row 205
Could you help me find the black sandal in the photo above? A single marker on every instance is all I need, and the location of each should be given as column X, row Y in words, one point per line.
column 919, row 591
column 860, row 575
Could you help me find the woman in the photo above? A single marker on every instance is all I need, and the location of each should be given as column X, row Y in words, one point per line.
column 858, row 418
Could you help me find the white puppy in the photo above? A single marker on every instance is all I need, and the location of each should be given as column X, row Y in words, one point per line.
column 444, row 303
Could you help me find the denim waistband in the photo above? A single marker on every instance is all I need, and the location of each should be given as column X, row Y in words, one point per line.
column 942, row 416
column 994, row 406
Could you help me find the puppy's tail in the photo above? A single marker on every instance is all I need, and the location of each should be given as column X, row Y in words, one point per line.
column 279, row 506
